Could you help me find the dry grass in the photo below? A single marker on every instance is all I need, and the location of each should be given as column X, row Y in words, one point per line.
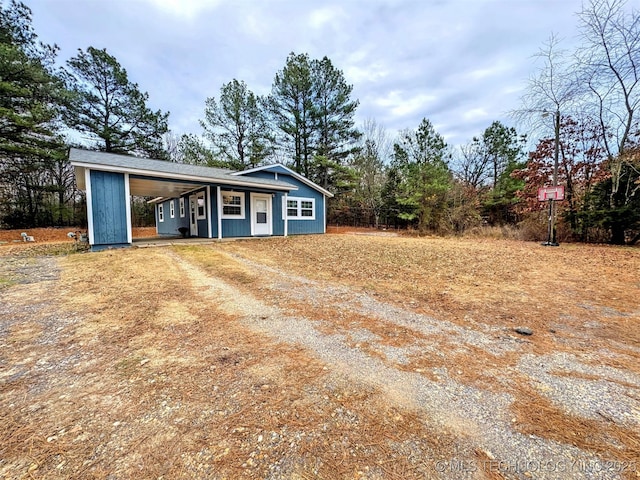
column 155, row 382
column 498, row 282
column 54, row 235
column 140, row 376
column 578, row 299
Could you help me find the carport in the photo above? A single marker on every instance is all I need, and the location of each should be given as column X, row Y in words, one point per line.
column 111, row 179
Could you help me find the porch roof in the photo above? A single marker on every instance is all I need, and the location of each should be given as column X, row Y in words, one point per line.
column 163, row 178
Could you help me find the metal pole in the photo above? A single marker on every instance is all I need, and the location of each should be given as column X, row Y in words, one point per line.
column 551, row 238
column 556, row 155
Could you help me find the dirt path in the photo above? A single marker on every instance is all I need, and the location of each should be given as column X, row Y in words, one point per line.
column 197, row 362
column 294, row 309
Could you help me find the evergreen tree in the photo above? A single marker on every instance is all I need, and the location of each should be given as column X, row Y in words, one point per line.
column 30, row 98
column 313, row 113
column 237, row 126
column 334, row 131
column 421, row 157
column 110, row 109
column 504, row 149
column 291, row 107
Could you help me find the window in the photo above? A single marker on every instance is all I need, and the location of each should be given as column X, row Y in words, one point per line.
column 172, row 209
column 202, row 212
column 182, row 213
column 232, row 204
column 161, row 213
column 301, row 208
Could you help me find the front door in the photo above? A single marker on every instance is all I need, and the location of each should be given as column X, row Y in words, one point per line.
column 193, row 216
column 261, row 214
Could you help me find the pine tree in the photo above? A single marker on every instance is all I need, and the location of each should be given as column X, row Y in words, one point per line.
column 110, row 109
column 30, row 99
column 237, row 126
column 421, row 158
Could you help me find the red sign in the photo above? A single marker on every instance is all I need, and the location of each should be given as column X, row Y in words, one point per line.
column 551, row 193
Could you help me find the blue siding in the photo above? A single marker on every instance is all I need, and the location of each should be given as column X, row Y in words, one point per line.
column 109, row 208
column 213, row 212
column 170, row 225
column 238, row 227
column 298, row 226
column 269, row 175
column 278, row 222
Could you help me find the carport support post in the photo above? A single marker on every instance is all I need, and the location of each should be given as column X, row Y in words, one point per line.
column 127, row 194
column 284, row 214
column 219, row 207
column 87, row 182
column 210, row 213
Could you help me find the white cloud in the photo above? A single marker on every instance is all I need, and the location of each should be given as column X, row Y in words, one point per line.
column 460, row 63
column 475, row 114
column 371, row 73
column 321, row 17
column 184, row 8
column 401, row 105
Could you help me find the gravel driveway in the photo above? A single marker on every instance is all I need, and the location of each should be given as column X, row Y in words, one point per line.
column 480, row 418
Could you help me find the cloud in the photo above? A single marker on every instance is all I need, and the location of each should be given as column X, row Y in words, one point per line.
column 188, row 9
column 460, row 63
column 326, row 16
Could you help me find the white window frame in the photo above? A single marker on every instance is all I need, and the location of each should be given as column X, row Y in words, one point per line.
column 299, row 208
column 242, row 204
column 200, row 196
column 182, row 210
column 172, row 209
column 160, row 212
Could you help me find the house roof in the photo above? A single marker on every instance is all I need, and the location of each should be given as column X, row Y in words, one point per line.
column 293, row 173
column 163, row 179
column 182, row 177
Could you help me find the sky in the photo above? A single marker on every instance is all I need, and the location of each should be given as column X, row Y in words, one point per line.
column 460, row 63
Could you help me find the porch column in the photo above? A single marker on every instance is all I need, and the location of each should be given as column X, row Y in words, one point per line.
column 209, row 226
column 284, row 214
column 87, row 182
column 219, row 206
column 127, row 195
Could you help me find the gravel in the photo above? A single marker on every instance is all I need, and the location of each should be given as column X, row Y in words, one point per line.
column 479, row 417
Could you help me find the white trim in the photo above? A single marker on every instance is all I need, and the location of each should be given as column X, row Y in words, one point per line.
column 209, row 207
column 181, row 207
column 219, row 206
column 243, row 207
column 160, row 213
column 294, row 174
column 172, row 208
column 324, row 204
column 265, row 196
column 202, row 195
column 87, row 181
column 127, row 207
column 193, row 225
column 181, row 176
column 284, row 215
column 299, row 208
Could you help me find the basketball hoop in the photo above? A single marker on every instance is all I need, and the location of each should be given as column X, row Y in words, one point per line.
column 551, row 193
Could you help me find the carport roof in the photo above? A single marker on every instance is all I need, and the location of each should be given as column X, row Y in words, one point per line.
column 160, row 169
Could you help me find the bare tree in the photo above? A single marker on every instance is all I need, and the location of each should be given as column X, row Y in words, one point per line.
column 473, row 165
column 553, row 90
column 369, row 164
column 171, row 141
column 610, row 67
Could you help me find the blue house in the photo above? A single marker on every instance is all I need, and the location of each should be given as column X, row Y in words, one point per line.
column 200, row 201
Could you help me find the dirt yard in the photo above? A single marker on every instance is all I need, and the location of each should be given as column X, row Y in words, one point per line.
column 336, row 356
